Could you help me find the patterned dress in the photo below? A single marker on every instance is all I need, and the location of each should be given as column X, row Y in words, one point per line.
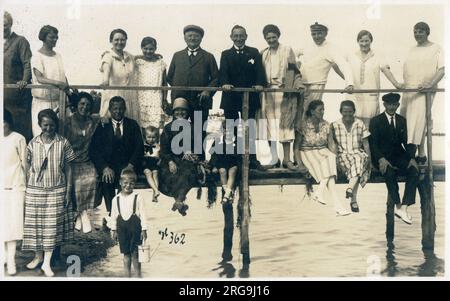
column 84, row 174
column 351, row 157
column 150, row 102
column 48, row 223
column 314, row 151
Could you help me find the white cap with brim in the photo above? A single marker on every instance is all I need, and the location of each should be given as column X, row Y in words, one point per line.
column 180, row 103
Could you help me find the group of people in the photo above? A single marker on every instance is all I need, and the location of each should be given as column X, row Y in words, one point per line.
column 61, row 177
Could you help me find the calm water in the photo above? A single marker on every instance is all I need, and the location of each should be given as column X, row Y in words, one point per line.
column 289, row 237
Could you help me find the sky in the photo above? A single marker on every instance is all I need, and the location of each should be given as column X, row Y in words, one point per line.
column 84, row 28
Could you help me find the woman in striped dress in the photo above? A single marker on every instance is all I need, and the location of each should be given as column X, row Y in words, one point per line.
column 353, row 152
column 48, row 210
column 316, row 152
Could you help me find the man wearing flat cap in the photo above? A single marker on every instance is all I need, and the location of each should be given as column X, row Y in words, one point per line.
column 392, row 155
column 194, row 67
column 315, row 64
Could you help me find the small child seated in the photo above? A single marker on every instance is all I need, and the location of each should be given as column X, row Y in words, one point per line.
column 128, row 221
column 225, row 160
column 151, row 159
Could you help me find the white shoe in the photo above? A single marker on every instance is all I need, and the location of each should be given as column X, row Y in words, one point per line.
column 319, row 200
column 11, row 269
column 86, row 223
column 342, row 212
column 78, row 224
column 47, row 271
column 34, row 263
column 403, row 215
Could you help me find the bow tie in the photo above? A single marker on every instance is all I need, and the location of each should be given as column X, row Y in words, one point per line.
column 192, row 52
column 240, row 50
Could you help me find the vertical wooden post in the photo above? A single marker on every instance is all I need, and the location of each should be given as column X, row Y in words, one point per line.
column 390, row 219
column 228, row 230
column 427, row 193
column 62, row 111
column 244, row 189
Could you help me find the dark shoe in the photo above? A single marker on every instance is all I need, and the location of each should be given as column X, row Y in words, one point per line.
column 105, row 227
column 289, row 165
column 354, row 206
column 421, row 160
column 257, row 165
column 349, row 193
column 183, row 209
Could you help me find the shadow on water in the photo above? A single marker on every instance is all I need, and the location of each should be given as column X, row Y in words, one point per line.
column 227, row 270
column 431, row 267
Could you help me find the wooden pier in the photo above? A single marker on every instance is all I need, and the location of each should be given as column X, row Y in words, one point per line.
column 433, row 171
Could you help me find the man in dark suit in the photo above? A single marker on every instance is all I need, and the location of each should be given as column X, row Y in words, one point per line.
column 194, row 67
column 115, row 146
column 241, row 66
column 392, row 155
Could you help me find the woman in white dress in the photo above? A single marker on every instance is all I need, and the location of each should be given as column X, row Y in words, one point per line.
column 48, row 69
column 423, row 69
column 150, row 71
column 366, row 66
column 13, row 169
column 117, row 68
column 278, row 109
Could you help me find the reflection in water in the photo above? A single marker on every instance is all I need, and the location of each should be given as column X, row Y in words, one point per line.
column 302, row 239
column 429, row 268
column 391, row 268
column 245, row 271
column 432, row 265
column 226, row 269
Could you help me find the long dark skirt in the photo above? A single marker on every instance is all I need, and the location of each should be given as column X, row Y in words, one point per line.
column 179, row 184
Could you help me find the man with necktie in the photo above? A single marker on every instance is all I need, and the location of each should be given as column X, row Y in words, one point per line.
column 392, row 155
column 241, row 66
column 116, row 145
column 194, row 67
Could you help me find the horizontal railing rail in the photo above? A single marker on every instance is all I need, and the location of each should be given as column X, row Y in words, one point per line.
column 236, row 89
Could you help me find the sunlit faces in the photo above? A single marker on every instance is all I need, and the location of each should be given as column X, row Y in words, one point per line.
column 51, row 39
column 127, row 183
column 84, row 107
column 318, row 112
column 7, row 24
column 318, row 36
column 148, row 51
column 151, row 137
column 117, row 110
column 239, row 36
column 180, row 113
column 391, row 108
column 119, row 41
column 364, row 43
column 6, row 129
column 48, row 126
column 192, row 39
column 420, row 35
column 348, row 113
column 272, row 39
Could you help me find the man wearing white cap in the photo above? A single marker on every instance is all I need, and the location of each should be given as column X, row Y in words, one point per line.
column 315, row 65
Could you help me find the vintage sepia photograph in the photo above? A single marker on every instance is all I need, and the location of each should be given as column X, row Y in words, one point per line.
column 212, row 140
